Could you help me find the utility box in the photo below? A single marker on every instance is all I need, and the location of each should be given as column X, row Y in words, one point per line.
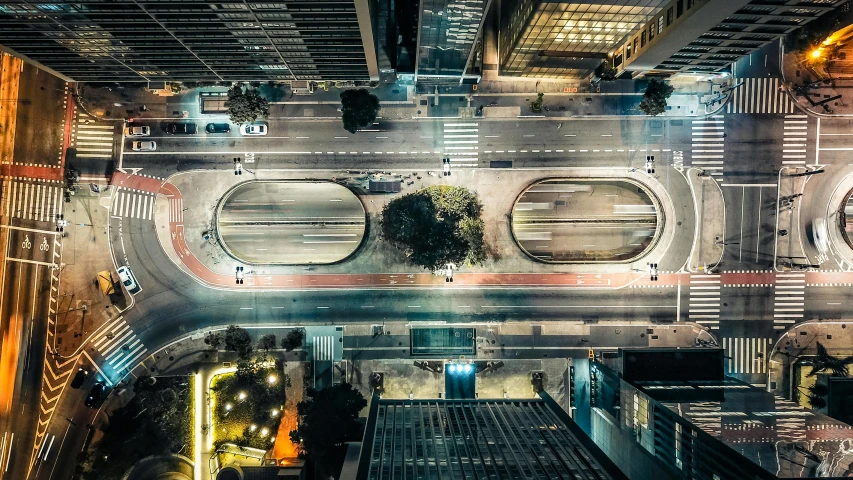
column 301, row 87
column 213, row 102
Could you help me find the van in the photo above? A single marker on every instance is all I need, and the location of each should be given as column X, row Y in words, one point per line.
column 181, row 128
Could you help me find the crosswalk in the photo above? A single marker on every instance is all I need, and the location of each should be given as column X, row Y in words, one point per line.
column 795, row 139
column 461, row 144
column 119, row 346
column 746, row 354
column 788, row 299
column 760, row 95
column 704, row 302
column 708, row 138
column 92, row 139
column 176, row 210
column 132, row 203
column 30, row 199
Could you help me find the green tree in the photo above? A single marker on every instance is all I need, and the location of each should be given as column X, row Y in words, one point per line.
column 238, row 340
column 267, row 342
column 327, row 420
column 246, row 107
column 654, row 99
column 537, row 104
column 214, row 339
column 608, row 72
column 293, row 339
column 359, row 108
column 436, row 226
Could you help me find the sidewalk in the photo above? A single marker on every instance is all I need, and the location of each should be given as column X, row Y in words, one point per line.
column 816, row 90
column 563, row 98
column 789, row 248
column 82, row 258
column 801, row 340
column 709, row 241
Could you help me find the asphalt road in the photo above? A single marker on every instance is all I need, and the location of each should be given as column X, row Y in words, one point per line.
column 290, row 222
column 171, row 305
column 24, row 311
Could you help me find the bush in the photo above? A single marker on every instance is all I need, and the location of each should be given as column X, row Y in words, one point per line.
column 436, row 226
column 267, row 342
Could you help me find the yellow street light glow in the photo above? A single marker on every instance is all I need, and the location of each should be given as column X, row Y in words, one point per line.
column 274, row 412
column 816, row 53
column 265, row 431
column 241, row 396
column 253, row 427
column 272, row 379
column 228, row 407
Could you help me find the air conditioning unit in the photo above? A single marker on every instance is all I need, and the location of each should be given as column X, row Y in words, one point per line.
column 302, row 87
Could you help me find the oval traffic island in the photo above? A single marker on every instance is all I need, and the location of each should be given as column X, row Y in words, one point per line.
column 290, row 222
column 572, row 220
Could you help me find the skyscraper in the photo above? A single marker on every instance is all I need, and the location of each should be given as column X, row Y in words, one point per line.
column 227, row 40
column 448, row 31
column 553, row 39
column 708, row 35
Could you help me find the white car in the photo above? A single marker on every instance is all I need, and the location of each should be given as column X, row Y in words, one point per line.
column 142, row 131
column 254, row 129
column 127, row 278
column 146, row 146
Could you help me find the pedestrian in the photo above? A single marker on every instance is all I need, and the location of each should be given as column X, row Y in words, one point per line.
column 559, row 125
column 783, row 233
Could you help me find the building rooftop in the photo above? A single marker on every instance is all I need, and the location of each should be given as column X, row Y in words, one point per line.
column 460, row 439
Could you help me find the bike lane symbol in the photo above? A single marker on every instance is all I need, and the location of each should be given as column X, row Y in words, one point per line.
column 27, row 244
column 44, row 246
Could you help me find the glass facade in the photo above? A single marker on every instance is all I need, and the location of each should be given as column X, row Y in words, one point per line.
column 449, row 30
column 151, row 40
column 548, row 39
column 464, row 439
column 725, row 429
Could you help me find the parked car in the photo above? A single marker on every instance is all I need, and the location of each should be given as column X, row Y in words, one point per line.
column 144, row 146
column 137, row 131
column 217, row 128
column 79, row 378
column 127, row 278
column 254, row 129
column 181, row 128
column 95, row 395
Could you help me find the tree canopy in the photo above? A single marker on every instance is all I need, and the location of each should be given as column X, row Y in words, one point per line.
column 823, row 361
column 238, row 340
column 654, row 99
column 293, row 339
column 436, row 226
column 155, row 421
column 246, row 107
column 327, row 420
column 360, row 108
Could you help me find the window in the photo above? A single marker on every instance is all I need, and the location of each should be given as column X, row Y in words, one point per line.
column 669, row 16
column 660, row 24
column 651, row 32
column 690, row 4
column 635, row 44
column 679, row 8
column 643, row 39
column 628, row 50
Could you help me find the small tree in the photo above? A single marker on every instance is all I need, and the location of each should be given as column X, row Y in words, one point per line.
column 327, row 420
column 359, row 108
column 824, row 361
column 293, row 339
column 537, row 104
column 246, row 107
column 238, row 340
column 266, row 343
column 654, row 100
column 214, row 339
column 608, row 72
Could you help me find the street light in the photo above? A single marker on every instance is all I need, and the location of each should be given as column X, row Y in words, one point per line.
column 241, row 396
column 272, row 379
